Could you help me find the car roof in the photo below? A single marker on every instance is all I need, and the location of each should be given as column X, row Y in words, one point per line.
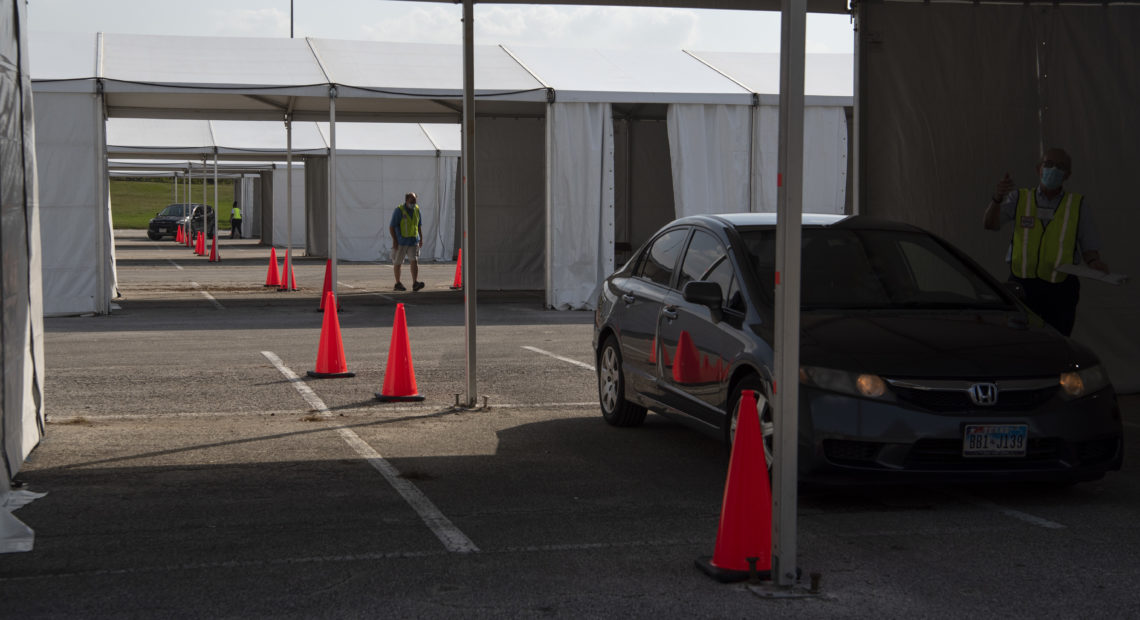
column 810, row 220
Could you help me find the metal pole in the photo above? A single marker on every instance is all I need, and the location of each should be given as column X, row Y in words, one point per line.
column 470, row 286
column 332, row 189
column 289, row 202
column 204, row 199
column 789, row 219
column 217, row 207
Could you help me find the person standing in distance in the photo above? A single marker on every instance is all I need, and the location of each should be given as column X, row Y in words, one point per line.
column 407, row 238
column 1052, row 227
column 235, row 222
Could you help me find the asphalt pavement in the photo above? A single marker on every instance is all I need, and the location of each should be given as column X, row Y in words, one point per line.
column 193, row 469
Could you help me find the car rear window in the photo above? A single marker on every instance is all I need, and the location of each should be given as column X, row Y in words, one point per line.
column 843, row 269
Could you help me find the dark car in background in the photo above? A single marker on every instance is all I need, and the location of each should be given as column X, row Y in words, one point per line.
column 916, row 364
column 196, row 222
column 166, row 222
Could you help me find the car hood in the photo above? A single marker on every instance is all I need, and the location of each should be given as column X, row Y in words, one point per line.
column 937, row 344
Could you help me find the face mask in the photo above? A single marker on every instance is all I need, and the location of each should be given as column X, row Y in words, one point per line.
column 1051, row 178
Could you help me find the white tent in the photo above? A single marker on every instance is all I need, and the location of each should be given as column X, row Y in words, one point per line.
column 558, row 195
column 380, row 162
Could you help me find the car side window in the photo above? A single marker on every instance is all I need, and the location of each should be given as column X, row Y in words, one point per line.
column 661, row 258
column 707, row 260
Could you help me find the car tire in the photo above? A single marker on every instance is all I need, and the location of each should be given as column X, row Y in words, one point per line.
column 153, row 235
column 616, row 410
column 767, row 429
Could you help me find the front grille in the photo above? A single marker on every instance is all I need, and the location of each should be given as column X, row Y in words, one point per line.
column 959, row 400
column 846, row 452
column 939, row 453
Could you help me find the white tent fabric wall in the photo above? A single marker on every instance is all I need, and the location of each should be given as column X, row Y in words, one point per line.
column 22, row 416
column 825, row 159
column 280, row 208
column 69, row 148
column 580, row 202
column 370, row 188
column 977, row 91
column 709, row 149
column 250, row 210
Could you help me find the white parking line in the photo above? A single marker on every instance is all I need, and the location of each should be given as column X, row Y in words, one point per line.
column 216, row 303
column 176, row 265
column 559, row 357
column 1009, row 512
column 453, row 539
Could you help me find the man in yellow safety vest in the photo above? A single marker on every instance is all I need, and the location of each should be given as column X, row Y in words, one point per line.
column 235, row 222
column 407, row 239
column 1052, row 227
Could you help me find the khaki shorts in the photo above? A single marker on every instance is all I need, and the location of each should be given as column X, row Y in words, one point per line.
column 412, row 252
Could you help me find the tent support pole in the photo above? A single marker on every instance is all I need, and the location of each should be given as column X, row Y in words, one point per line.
column 470, row 286
column 289, row 202
column 789, row 220
column 332, row 190
column 217, row 207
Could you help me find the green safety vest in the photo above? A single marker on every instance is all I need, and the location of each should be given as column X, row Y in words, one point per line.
column 1038, row 250
column 235, row 214
column 410, row 224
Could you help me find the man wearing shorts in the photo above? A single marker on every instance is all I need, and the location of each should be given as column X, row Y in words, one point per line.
column 407, row 239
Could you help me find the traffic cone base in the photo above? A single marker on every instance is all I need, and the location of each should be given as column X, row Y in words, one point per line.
column 330, row 375
column 725, row 575
column 397, row 399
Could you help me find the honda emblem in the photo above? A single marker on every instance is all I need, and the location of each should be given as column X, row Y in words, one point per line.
column 984, row 394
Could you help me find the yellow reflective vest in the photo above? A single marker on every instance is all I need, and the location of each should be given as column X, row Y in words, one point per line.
column 410, row 226
column 1038, row 250
column 235, row 214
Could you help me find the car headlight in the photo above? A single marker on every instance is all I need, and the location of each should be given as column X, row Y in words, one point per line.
column 1083, row 382
column 865, row 385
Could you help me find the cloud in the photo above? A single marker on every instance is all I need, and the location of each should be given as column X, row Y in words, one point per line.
column 543, row 25
column 251, row 23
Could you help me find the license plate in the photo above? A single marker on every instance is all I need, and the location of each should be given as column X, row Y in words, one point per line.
column 995, row 440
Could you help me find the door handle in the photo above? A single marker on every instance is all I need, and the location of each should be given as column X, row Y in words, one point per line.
column 629, row 299
column 670, row 312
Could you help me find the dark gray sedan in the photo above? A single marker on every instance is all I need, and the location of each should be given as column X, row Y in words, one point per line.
column 915, row 363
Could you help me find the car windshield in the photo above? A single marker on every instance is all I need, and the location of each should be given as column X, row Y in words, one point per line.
column 875, row 269
column 174, row 210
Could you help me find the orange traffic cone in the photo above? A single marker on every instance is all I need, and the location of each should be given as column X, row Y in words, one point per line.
column 328, row 285
column 458, row 283
column 686, row 365
column 271, row 275
column 200, row 244
column 287, row 270
column 214, row 249
column 399, row 375
column 330, row 353
column 745, row 533
column 187, row 239
column 178, row 235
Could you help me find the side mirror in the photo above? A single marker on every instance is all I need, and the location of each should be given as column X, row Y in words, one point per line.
column 703, row 293
column 1016, row 288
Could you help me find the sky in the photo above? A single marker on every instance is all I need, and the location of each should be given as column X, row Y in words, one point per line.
column 439, row 22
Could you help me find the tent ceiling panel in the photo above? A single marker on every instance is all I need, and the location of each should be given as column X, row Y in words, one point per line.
column 430, row 70
column 828, row 78
column 210, row 61
column 630, row 76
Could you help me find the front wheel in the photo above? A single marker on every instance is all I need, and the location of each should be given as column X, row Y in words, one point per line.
column 153, row 235
column 611, row 388
column 767, row 428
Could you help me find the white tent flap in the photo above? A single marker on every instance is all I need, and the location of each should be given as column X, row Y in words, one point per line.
column 709, row 146
column 580, row 220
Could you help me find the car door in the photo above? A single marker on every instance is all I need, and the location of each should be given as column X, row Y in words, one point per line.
column 641, row 298
column 701, row 342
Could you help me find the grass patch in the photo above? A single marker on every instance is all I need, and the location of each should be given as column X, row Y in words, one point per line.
column 135, row 201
